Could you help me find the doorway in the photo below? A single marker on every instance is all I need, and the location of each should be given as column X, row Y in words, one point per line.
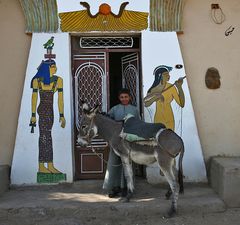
column 124, row 72
column 98, row 75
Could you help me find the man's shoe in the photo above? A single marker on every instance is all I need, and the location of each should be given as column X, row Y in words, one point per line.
column 114, row 192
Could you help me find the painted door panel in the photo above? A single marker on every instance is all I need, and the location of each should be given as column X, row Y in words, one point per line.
column 89, row 71
column 130, row 80
column 130, row 76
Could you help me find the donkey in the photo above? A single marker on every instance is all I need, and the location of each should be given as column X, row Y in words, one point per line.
column 166, row 147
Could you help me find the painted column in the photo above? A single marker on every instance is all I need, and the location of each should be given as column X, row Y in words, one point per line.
column 160, row 48
column 25, row 166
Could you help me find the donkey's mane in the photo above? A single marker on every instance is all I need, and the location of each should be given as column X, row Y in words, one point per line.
column 109, row 117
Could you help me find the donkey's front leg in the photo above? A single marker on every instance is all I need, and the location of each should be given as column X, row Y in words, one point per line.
column 128, row 174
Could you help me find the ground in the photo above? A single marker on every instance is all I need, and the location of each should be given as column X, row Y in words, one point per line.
column 85, row 203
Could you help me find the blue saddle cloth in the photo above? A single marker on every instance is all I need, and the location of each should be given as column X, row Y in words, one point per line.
column 140, row 128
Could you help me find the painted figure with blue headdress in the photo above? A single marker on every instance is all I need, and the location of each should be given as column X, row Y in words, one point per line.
column 44, row 84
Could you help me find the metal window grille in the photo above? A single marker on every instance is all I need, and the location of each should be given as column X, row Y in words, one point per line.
column 88, row 87
column 131, row 77
column 130, row 81
column 106, row 42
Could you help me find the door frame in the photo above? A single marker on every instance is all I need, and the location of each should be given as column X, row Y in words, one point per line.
column 79, row 51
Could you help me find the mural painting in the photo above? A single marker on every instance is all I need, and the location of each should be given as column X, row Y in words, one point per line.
column 167, row 100
column 44, row 84
column 163, row 93
column 104, row 20
column 48, row 152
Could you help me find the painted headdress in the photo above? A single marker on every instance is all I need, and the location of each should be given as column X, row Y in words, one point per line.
column 158, row 71
column 161, row 69
column 44, row 71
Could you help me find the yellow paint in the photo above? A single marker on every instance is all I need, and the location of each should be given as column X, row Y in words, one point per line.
column 50, row 168
column 163, row 99
column 80, row 21
column 42, row 168
column 164, row 113
column 53, row 70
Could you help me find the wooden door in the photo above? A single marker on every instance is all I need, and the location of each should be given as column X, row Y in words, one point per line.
column 130, row 80
column 130, row 76
column 90, row 85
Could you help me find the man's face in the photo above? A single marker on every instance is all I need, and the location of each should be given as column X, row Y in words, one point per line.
column 124, row 98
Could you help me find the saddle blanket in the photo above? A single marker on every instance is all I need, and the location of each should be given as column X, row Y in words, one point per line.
column 135, row 129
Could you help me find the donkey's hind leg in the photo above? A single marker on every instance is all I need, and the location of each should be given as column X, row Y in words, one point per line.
column 128, row 174
column 169, row 191
column 166, row 164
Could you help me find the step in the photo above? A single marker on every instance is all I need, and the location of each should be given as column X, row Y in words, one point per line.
column 225, row 179
column 87, row 198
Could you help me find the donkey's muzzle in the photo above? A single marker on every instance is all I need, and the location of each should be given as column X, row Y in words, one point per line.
column 82, row 141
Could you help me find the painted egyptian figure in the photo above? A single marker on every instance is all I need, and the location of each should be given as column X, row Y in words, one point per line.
column 163, row 93
column 46, row 83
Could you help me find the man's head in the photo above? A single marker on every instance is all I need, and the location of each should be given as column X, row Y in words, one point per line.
column 124, row 96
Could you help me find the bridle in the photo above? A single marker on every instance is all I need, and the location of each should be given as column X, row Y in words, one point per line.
column 88, row 138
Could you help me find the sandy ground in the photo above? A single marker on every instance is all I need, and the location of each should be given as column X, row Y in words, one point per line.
column 84, row 203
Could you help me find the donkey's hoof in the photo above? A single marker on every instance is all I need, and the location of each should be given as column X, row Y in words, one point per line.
column 171, row 213
column 124, row 200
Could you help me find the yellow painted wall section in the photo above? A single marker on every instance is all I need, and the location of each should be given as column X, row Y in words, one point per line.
column 205, row 45
column 14, row 48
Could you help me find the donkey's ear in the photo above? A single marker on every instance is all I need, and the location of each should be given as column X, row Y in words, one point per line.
column 92, row 113
column 85, row 107
column 95, row 109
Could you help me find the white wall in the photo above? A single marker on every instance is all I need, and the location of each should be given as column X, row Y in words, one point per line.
column 26, row 148
column 74, row 5
column 25, row 159
column 160, row 48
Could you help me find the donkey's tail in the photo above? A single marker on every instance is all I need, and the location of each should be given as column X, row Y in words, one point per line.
column 180, row 170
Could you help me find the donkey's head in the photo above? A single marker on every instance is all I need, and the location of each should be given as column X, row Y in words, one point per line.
column 88, row 129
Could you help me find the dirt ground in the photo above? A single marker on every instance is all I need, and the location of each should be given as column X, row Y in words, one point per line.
column 85, row 203
column 43, row 217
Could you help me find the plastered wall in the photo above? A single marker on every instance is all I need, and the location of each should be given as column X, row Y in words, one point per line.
column 14, row 49
column 203, row 45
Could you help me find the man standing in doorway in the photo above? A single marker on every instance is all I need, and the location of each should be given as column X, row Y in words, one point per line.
column 114, row 181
